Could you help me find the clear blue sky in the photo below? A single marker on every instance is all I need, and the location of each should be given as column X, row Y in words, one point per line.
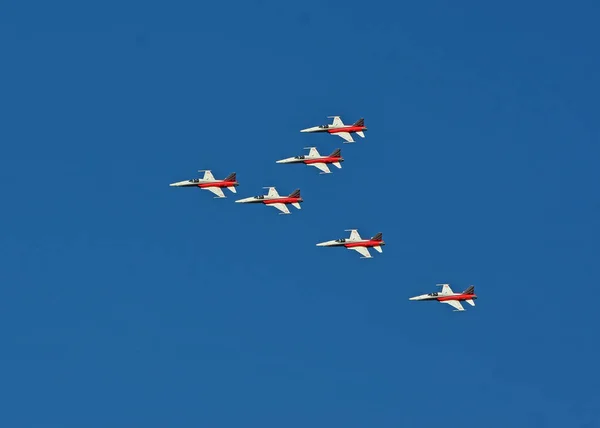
column 127, row 303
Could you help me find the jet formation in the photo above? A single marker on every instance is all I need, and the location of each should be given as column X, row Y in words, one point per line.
column 321, row 162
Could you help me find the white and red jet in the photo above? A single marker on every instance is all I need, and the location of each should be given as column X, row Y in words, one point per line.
column 450, row 297
column 273, row 199
column 356, row 243
column 338, row 128
column 315, row 159
column 208, row 182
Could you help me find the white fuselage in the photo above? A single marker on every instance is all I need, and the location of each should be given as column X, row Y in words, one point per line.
column 323, row 128
column 432, row 296
column 300, row 159
column 194, row 182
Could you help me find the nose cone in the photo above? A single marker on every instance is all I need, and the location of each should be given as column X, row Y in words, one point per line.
column 312, row 129
column 178, row 184
column 421, row 297
column 244, row 201
column 325, row 244
column 286, row 160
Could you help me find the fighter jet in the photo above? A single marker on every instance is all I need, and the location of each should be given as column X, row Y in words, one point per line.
column 450, row 297
column 338, row 128
column 315, row 159
column 208, row 182
column 355, row 242
column 274, row 200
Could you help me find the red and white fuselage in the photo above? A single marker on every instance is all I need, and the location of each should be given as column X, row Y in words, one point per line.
column 356, row 243
column 208, row 182
column 273, row 199
column 450, row 297
column 315, row 159
column 338, row 128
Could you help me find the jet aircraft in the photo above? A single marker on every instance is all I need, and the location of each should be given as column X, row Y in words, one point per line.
column 208, row 182
column 355, row 242
column 315, row 159
column 450, row 297
column 338, row 128
column 273, row 199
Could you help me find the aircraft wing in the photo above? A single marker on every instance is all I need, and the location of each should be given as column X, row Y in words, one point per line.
column 313, row 153
column 455, row 303
column 446, row 289
column 354, row 236
column 337, row 121
column 362, row 250
column 217, row 191
column 272, row 193
column 346, row 136
column 323, row 167
column 207, row 175
column 281, row 207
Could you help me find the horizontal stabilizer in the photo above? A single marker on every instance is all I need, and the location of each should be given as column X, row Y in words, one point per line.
column 337, row 164
column 378, row 249
column 360, row 134
column 470, row 302
column 232, row 189
column 297, row 205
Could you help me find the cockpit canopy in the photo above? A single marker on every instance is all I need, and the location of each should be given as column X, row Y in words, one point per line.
column 324, row 126
column 259, row 197
column 340, row 240
column 299, row 157
column 195, row 180
column 433, row 294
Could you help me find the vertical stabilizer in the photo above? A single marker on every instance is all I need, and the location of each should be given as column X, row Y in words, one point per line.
column 470, row 290
column 231, row 177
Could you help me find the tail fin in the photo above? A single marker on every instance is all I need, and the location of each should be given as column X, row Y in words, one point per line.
column 336, row 154
column 470, row 290
column 378, row 237
column 230, row 177
column 360, row 122
column 295, row 194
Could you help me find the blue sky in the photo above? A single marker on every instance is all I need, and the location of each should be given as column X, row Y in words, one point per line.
column 129, row 303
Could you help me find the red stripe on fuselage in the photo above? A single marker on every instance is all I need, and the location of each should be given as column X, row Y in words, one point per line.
column 218, row 184
column 282, row 201
column 459, row 297
column 363, row 244
column 347, row 129
column 322, row 160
